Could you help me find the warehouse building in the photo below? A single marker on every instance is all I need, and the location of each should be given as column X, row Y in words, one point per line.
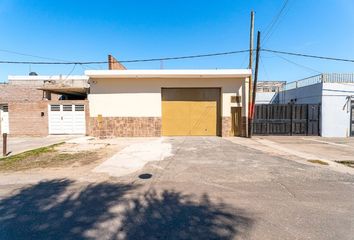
column 168, row 102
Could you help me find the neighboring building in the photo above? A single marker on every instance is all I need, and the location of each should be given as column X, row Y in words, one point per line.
column 168, row 102
column 270, row 86
column 33, row 105
column 335, row 93
column 267, row 91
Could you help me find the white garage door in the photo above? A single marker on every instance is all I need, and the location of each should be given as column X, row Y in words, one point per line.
column 67, row 119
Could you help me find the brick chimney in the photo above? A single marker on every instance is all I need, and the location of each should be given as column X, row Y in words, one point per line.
column 114, row 64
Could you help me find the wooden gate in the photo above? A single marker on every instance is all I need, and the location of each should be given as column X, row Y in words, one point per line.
column 287, row 119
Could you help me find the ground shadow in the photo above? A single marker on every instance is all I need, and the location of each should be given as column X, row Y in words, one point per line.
column 63, row 209
column 173, row 215
column 48, row 210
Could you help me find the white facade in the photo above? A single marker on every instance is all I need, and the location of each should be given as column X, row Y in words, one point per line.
column 336, row 107
column 335, row 100
column 137, row 93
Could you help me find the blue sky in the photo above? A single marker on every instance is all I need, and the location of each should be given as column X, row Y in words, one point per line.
column 84, row 30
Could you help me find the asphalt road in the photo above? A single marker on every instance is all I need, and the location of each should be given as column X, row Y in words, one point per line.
column 209, row 188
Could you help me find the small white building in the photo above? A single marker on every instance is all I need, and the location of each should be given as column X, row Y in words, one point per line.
column 335, row 93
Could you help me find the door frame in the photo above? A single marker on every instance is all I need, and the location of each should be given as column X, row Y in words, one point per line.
column 218, row 105
column 61, row 114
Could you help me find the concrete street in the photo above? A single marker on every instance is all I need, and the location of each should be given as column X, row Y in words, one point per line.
column 206, row 188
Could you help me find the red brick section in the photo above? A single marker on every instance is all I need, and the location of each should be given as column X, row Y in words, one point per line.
column 114, row 64
column 25, row 118
column 125, row 127
column 9, row 93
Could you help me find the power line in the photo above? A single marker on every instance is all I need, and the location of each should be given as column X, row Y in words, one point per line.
column 264, row 68
column 274, row 23
column 308, row 55
column 176, row 58
column 184, row 57
column 127, row 61
column 31, row 55
column 297, row 64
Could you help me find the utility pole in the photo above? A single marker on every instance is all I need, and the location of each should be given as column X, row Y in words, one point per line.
column 248, row 132
column 255, row 81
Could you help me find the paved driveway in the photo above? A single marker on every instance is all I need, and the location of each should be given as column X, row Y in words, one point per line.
column 22, row 144
column 208, row 188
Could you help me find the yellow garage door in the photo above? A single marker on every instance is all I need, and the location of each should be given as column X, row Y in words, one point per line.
column 190, row 111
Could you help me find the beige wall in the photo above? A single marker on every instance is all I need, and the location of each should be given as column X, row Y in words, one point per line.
column 142, row 97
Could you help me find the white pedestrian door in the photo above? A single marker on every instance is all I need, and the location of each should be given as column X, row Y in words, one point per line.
column 67, row 119
column 4, row 113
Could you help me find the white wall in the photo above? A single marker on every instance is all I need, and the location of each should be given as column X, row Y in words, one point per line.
column 336, row 109
column 335, row 105
column 266, row 97
column 311, row 94
column 142, row 97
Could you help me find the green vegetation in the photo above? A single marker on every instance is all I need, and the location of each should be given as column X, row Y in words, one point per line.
column 44, row 157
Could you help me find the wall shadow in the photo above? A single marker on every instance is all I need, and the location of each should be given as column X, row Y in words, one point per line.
column 60, row 209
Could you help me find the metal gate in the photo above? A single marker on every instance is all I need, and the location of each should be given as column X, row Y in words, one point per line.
column 287, row 119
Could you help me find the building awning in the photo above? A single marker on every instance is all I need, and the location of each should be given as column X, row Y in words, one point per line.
column 66, row 90
column 218, row 73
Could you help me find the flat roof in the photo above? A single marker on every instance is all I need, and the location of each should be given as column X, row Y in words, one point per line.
column 48, row 77
column 218, row 73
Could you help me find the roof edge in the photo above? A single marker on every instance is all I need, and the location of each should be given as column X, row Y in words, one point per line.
column 220, row 73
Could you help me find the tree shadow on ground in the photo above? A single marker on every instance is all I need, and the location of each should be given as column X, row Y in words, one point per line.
column 61, row 209
column 173, row 215
column 48, row 210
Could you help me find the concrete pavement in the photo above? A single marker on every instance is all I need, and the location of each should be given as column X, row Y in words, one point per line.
column 21, row 144
column 208, row 188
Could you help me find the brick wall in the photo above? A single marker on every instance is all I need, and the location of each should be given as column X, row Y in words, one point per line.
column 114, row 64
column 142, row 127
column 25, row 118
column 10, row 93
column 125, row 127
